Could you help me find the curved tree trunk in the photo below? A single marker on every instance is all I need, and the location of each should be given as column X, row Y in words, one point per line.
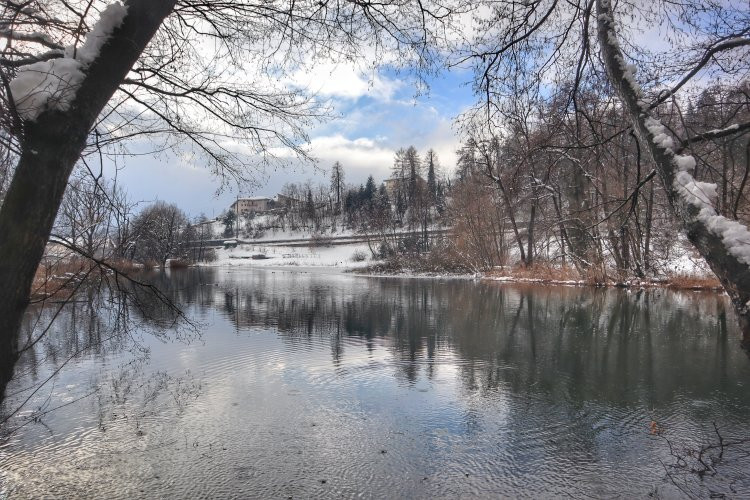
column 715, row 237
column 50, row 147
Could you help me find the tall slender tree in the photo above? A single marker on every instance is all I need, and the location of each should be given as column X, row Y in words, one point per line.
column 431, row 159
column 337, row 184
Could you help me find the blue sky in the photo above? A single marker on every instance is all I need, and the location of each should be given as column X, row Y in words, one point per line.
column 374, row 114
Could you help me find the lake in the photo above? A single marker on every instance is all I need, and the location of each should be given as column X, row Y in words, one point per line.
column 295, row 384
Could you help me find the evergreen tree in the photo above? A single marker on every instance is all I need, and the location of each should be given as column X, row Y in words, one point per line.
column 467, row 161
column 382, row 196
column 229, row 220
column 370, row 189
column 414, row 165
column 310, row 206
column 400, row 204
column 431, row 180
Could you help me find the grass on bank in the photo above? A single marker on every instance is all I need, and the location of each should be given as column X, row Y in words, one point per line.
column 437, row 263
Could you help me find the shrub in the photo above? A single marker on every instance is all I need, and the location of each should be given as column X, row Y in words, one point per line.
column 318, row 240
column 359, row 256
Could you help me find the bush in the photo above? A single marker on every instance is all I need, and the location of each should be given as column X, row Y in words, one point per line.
column 359, row 256
column 441, row 259
column 385, row 251
column 149, row 264
column 208, row 255
column 318, row 240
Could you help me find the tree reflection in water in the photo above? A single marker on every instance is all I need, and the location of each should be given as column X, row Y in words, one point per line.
column 547, row 387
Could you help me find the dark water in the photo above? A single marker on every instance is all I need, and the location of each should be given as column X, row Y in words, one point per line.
column 325, row 385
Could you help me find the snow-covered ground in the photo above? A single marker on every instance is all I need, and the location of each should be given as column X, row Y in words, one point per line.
column 684, row 260
column 340, row 256
column 265, row 227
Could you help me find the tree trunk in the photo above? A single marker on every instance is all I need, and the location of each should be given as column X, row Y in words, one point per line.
column 530, row 234
column 50, row 147
column 649, row 222
column 511, row 215
column 733, row 273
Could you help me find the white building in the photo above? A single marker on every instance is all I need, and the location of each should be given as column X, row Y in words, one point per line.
column 253, row 204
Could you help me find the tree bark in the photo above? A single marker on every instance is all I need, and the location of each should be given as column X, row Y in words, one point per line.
column 50, row 147
column 733, row 274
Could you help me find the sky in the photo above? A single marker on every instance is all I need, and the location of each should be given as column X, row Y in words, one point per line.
column 374, row 113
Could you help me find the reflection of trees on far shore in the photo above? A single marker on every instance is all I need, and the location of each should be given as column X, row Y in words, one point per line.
column 622, row 344
column 578, row 344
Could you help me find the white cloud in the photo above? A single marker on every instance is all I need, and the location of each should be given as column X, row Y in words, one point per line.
column 360, row 157
column 344, row 82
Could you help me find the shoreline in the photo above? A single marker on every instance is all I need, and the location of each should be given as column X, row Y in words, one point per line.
column 631, row 283
column 628, row 284
column 60, row 285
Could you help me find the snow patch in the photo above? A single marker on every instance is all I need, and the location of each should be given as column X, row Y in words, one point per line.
column 717, row 131
column 684, row 163
column 53, row 84
column 111, row 18
column 734, row 235
column 698, row 194
column 339, row 256
column 659, row 131
column 46, row 85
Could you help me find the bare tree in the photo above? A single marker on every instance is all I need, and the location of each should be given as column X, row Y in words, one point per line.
column 142, row 70
column 337, row 184
column 529, row 48
column 724, row 243
column 162, row 231
column 84, row 215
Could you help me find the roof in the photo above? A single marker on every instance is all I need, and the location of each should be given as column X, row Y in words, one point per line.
column 255, row 198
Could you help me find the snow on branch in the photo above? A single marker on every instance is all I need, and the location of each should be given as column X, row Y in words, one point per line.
column 40, row 38
column 728, row 44
column 52, row 84
column 717, row 133
column 719, row 239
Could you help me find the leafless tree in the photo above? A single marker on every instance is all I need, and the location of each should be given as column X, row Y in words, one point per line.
column 337, row 183
column 531, row 48
column 145, row 70
column 162, row 233
column 85, row 214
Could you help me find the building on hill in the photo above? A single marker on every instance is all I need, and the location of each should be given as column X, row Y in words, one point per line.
column 255, row 204
column 284, row 201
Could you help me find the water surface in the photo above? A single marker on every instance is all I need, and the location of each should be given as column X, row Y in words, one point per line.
column 303, row 385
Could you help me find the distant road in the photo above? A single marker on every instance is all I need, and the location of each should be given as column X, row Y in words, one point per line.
column 316, row 241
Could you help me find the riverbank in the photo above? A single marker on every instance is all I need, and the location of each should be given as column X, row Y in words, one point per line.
column 346, row 257
column 61, row 277
column 551, row 275
column 356, row 259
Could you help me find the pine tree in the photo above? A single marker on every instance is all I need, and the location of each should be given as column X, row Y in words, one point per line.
column 228, row 220
column 370, row 189
column 467, row 161
column 415, row 166
column 431, row 180
column 310, row 206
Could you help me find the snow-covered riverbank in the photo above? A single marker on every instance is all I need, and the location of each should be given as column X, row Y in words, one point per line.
column 683, row 269
column 345, row 257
